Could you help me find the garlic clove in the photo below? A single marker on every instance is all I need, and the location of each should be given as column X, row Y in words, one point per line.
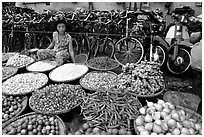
column 175, row 131
column 156, row 115
column 161, row 102
column 142, row 110
column 150, row 104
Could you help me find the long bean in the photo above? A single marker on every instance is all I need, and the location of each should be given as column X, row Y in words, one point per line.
column 110, row 109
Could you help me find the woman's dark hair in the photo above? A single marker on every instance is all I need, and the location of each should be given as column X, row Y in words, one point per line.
column 61, row 22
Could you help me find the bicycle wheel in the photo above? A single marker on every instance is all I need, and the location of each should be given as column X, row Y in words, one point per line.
column 162, row 54
column 182, row 62
column 106, row 49
column 75, row 46
column 128, row 50
column 44, row 42
column 84, row 47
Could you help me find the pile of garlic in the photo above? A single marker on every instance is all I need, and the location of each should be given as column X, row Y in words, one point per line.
column 19, row 60
column 162, row 118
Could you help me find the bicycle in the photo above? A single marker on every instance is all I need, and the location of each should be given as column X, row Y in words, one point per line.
column 100, row 45
column 128, row 49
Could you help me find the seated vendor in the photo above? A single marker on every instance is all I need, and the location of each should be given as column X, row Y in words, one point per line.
column 62, row 43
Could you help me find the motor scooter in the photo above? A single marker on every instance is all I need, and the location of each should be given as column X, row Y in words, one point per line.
column 177, row 36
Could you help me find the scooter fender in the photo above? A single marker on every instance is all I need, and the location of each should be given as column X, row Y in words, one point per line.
column 162, row 41
column 186, row 44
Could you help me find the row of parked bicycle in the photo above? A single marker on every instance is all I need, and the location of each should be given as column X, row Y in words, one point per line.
column 127, row 36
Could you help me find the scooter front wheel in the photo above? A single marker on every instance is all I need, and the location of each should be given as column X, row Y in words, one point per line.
column 182, row 62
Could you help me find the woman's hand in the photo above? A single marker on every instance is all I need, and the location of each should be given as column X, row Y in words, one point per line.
column 51, row 45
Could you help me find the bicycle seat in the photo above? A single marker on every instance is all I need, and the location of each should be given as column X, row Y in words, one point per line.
column 183, row 10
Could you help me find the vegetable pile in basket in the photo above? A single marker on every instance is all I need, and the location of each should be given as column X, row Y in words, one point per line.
column 11, row 106
column 102, row 63
column 43, row 65
column 163, row 118
column 36, row 124
column 24, row 83
column 6, row 56
column 96, row 80
column 88, row 129
column 8, row 71
column 110, row 109
column 141, row 79
column 55, row 99
column 19, row 61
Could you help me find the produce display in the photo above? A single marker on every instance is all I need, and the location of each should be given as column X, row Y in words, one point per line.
column 141, row 79
column 96, row 80
column 34, row 124
column 89, row 129
column 102, row 63
column 24, row 83
column 54, row 99
column 19, row 61
column 68, row 72
column 163, row 118
column 12, row 106
column 7, row 72
column 41, row 66
column 110, row 109
column 6, row 56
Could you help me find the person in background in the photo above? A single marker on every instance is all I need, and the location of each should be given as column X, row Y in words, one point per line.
column 61, row 48
column 196, row 65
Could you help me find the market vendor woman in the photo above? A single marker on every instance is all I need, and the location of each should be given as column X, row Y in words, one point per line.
column 62, row 43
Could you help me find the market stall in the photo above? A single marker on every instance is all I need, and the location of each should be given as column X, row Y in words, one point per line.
column 100, row 98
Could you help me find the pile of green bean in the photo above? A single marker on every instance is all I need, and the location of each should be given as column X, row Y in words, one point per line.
column 110, row 109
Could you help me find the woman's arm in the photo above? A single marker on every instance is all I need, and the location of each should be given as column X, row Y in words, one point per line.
column 51, row 45
column 71, row 51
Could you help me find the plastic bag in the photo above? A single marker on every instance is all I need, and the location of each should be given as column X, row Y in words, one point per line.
column 196, row 56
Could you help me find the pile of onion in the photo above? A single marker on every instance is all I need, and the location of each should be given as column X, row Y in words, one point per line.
column 162, row 118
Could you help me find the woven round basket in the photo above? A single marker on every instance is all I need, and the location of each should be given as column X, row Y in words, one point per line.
column 91, row 89
column 151, row 96
column 62, row 126
column 99, row 69
column 13, row 69
column 51, row 113
column 49, row 69
column 25, row 93
column 81, row 58
column 24, row 66
column 24, row 104
column 6, row 56
column 71, row 79
column 191, row 114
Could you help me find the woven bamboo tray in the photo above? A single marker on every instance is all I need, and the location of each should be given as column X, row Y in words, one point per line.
column 22, row 94
column 49, row 69
column 24, row 103
column 51, row 113
column 98, row 69
column 83, row 56
column 62, row 126
column 191, row 114
column 14, row 71
column 91, row 89
column 153, row 95
column 6, row 56
column 70, row 78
